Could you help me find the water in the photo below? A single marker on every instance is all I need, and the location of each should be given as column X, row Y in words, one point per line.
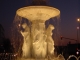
column 11, row 56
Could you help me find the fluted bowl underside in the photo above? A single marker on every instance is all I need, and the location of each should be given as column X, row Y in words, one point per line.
column 38, row 12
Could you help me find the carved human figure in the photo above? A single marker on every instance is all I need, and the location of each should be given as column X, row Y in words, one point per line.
column 50, row 41
column 39, row 40
column 27, row 42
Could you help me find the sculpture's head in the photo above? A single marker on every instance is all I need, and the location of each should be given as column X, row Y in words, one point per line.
column 24, row 25
column 51, row 27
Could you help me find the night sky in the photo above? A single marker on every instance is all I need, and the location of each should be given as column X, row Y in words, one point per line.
column 69, row 13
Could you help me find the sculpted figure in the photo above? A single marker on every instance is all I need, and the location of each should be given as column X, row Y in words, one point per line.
column 27, row 42
column 50, row 42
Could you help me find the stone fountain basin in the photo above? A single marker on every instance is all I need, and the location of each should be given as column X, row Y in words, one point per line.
column 38, row 12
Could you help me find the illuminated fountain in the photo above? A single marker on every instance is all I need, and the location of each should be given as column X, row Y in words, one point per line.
column 37, row 39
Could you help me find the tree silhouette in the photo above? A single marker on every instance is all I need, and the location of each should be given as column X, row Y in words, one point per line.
column 7, row 45
column 1, row 32
column 2, row 36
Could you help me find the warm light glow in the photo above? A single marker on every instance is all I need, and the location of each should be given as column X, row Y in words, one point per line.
column 38, row 12
column 19, row 25
column 77, row 52
column 77, row 27
column 78, row 20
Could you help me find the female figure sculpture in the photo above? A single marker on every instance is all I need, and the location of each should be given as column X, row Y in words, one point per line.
column 27, row 43
column 50, row 42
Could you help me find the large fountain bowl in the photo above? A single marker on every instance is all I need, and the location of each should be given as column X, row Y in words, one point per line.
column 38, row 12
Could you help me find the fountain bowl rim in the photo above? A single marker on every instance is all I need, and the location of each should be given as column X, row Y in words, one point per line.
column 42, row 13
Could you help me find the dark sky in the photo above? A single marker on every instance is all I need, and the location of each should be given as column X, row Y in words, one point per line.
column 69, row 13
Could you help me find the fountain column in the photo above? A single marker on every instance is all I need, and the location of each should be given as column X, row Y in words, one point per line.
column 39, row 43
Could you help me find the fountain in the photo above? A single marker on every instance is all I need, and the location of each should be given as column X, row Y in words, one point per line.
column 37, row 38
